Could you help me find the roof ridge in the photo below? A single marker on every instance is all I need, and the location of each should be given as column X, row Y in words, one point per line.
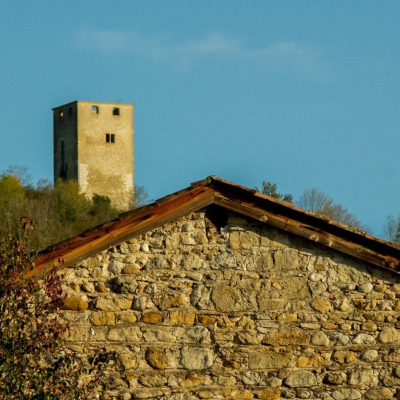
column 233, row 197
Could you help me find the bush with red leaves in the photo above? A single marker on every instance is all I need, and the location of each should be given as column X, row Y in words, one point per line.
column 34, row 361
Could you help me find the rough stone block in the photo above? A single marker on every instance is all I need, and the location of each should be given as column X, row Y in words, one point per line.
column 206, row 320
column 192, row 380
column 131, row 269
column 344, row 356
column 170, row 301
column 124, row 284
column 389, row 335
column 225, row 298
column 152, row 318
column 269, row 394
column 127, row 317
column 128, row 360
column 295, row 288
column 320, row 339
column 125, row 334
column 321, row 305
column 182, row 318
column 197, row 358
column 267, row 304
column 379, row 394
column 301, row 379
column 286, row 260
column 156, row 358
column 287, row 335
column 269, row 359
column 75, row 304
column 102, row 318
column 112, row 304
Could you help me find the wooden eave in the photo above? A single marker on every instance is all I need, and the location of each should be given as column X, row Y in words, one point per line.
column 230, row 196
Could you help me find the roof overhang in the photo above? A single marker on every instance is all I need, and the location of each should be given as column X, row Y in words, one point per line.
column 236, row 198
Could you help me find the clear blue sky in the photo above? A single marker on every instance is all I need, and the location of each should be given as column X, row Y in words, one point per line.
column 301, row 93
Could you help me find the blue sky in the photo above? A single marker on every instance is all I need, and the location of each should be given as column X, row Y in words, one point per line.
column 301, row 93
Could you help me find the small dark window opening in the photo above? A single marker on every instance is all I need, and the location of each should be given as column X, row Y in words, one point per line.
column 70, row 111
column 110, row 138
column 95, row 109
column 215, row 219
column 115, row 111
column 61, row 114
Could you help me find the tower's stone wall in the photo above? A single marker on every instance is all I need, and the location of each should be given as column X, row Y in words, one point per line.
column 99, row 147
column 65, row 142
column 246, row 312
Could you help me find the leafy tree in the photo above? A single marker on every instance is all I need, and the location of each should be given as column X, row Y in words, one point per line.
column 101, row 201
column 103, row 209
column 34, row 362
column 318, row 202
column 271, row 189
column 72, row 206
column 10, row 188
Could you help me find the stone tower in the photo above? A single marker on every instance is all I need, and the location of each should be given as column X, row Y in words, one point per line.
column 93, row 145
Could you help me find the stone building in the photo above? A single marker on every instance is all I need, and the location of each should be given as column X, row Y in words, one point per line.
column 219, row 292
column 93, row 145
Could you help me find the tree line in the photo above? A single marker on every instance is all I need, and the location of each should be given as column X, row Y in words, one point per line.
column 318, row 202
column 59, row 211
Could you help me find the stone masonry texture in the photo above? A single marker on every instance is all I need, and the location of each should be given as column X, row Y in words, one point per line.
column 242, row 311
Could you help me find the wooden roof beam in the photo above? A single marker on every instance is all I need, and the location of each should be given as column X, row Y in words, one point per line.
column 69, row 253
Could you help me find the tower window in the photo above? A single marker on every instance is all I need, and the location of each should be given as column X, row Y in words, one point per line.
column 95, row 109
column 115, row 111
column 70, row 111
column 61, row 114
column 110, row 138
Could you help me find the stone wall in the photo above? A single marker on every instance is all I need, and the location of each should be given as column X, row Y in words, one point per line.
column 242, row 312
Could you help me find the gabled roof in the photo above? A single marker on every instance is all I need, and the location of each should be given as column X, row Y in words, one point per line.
column 230, row 196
